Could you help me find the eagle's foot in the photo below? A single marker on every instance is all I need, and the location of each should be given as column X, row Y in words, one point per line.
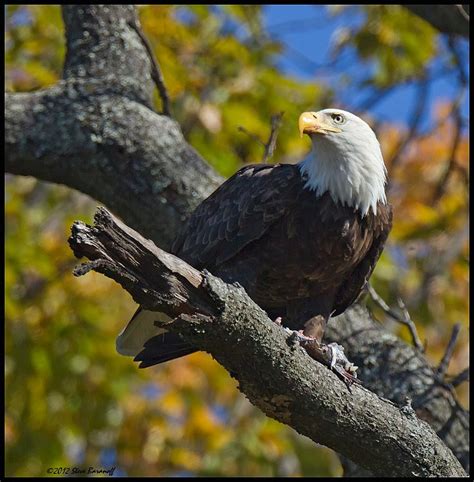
column 311, row 345
column 331, row 355
column 339, row 363
column 298, row 335
column 297, row 338
column 294, row 339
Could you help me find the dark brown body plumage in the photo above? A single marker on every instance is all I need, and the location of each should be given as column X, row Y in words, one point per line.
column 298, row 255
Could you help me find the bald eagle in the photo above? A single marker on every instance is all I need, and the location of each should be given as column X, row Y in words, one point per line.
column 302, row 239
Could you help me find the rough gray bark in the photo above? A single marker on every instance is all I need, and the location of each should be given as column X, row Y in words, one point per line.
column 96, row 131
column 281, row 380
column 394, row 370
column 450, row 19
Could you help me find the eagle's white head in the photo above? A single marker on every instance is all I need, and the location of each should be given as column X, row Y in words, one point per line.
column 346, row 159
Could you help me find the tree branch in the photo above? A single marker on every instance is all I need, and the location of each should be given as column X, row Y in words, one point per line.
column 403, row 317
column 414, row 122
column 96, row 132
column 450, row 19
column 394, row 370
column 105, row 53
column 448, row 354
column 156, row 74
column 281, row 379
column 455, row 113
column 269, row 146
column 271, row 143
column 451, row 162
column 460, row 378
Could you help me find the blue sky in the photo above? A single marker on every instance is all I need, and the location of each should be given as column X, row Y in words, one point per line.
column 307, row 30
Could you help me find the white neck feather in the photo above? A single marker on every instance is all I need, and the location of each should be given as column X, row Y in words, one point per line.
column 351, row 170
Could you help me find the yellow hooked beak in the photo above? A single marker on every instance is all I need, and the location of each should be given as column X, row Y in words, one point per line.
column 312, row 123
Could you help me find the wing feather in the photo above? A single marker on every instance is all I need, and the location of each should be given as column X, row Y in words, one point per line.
column 351, row 289
column 240, row 211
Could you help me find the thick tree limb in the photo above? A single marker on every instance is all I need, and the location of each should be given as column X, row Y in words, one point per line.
column 394, row 370
column 96, row 131
column 114, row 149
column 450, row 19
column 277, row 377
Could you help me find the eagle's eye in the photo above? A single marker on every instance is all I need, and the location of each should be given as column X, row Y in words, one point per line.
column 338, row 118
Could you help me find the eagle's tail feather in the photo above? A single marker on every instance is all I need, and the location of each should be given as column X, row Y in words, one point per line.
column 150, row 345
column 162, row 348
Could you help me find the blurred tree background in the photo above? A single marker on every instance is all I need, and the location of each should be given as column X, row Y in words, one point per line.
column 70, row 399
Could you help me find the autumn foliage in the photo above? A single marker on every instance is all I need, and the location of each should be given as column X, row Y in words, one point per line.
column 70, row 399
